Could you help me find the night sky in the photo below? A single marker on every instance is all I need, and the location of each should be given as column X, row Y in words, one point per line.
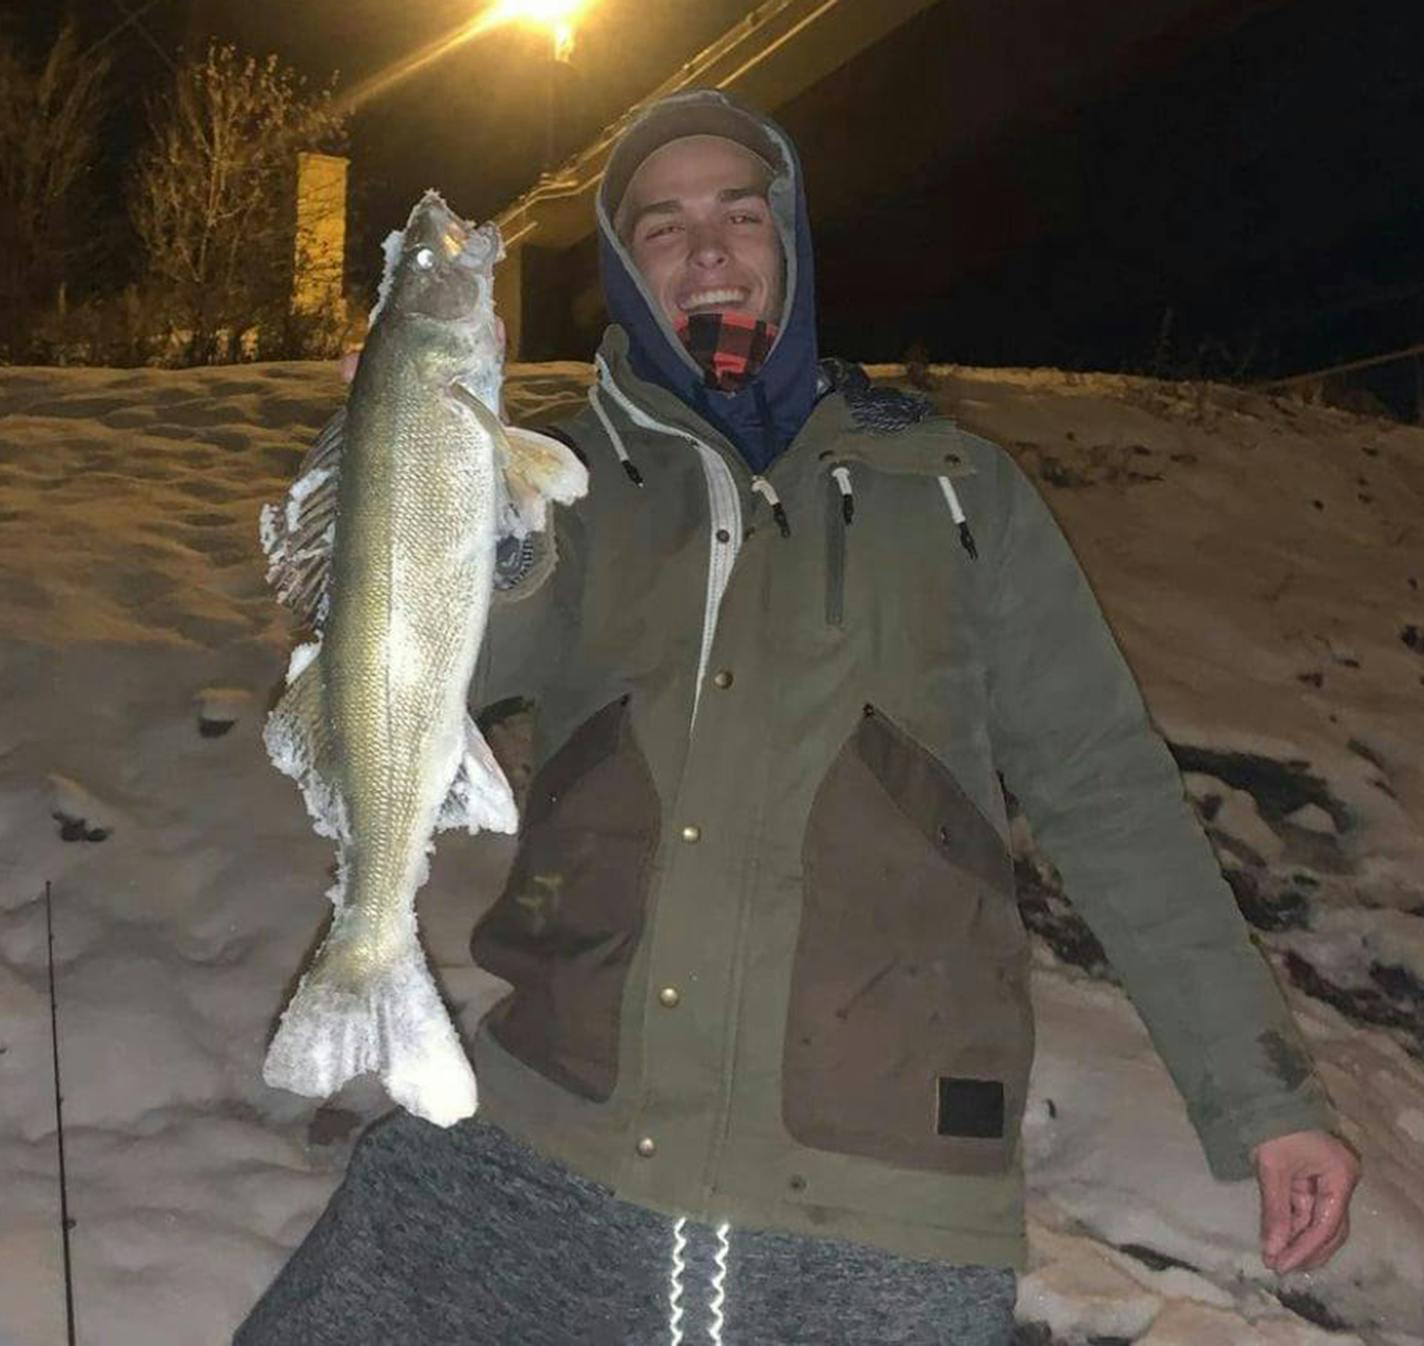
column 1181, row 186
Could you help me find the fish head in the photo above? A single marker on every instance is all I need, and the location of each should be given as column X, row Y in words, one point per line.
column 440, row 273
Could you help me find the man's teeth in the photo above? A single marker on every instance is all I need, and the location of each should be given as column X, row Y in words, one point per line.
column 706, row 297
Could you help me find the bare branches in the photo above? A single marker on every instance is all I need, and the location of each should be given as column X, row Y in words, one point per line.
column 49, row 127
column 212, row 195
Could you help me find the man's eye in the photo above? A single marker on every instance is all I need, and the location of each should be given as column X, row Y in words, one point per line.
column 747, row 217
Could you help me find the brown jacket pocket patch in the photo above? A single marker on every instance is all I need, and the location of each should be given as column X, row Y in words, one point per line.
column 565, row 929
column 909, row 1031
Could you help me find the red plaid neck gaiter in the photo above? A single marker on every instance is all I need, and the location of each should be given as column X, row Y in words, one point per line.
column 729, row 347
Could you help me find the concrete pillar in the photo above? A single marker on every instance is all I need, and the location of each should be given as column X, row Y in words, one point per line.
column 318, row 269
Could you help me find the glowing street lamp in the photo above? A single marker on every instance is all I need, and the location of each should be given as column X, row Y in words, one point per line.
column 557, row 16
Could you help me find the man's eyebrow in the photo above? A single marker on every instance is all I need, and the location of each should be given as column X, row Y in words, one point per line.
column 653, row 208
column 672, row 206
column 740, row 193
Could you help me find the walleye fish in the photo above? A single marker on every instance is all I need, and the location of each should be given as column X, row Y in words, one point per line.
column 386, row 546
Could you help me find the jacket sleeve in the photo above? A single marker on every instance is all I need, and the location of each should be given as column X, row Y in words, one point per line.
column 1105, row 800
column 532, row 622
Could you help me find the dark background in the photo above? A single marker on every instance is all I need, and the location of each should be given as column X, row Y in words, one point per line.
column 1172, row 186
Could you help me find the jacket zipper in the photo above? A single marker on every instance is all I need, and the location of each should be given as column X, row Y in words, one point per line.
column 835, row 556
column 724, row 505
column 840, row 511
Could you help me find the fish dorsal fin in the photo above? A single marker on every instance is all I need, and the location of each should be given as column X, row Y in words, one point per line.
column 537, row 469
column 297, row 534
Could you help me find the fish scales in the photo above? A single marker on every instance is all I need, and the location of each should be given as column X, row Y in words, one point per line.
column 409, row 606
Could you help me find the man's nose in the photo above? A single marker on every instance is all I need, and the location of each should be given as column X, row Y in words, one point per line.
column 706, row 246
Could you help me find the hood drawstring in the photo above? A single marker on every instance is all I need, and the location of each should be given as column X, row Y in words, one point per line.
column 841, row 476
column 956, row 512
column 629, row 466
column 778, row 511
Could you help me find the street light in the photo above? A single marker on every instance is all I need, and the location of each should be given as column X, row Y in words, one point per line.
column 556, row 15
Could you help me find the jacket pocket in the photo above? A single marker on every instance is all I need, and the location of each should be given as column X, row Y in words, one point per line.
column 909, row 1031
column 565, row 929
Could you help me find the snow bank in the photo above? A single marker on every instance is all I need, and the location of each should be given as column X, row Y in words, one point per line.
column 1260, row 561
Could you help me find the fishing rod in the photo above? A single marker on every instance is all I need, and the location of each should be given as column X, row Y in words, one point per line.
column 64, row 1220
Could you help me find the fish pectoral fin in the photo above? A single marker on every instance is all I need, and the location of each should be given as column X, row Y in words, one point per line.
column 480, row 799
column 298, row 533
column 298, row 739
column 390, row 1022
column 537, row 469
column 543, row 464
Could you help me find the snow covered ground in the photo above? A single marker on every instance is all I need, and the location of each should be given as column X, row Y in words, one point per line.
column 1259, row 559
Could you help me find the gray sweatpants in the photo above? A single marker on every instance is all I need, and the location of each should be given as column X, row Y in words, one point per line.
column 467, row 1237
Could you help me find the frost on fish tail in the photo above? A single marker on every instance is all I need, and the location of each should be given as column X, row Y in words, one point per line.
column 389, row 1022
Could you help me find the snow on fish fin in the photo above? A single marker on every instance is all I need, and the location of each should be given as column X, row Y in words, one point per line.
column 391, row 1023
column 537, row 469
column 298, row 739
column 297, row 534
column 480, row 799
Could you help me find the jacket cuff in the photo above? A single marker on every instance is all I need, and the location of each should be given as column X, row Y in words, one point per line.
column 1228, row 1140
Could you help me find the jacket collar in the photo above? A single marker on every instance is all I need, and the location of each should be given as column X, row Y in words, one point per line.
column 932, row 448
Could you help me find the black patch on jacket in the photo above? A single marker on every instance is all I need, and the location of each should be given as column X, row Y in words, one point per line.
column 972, row 1108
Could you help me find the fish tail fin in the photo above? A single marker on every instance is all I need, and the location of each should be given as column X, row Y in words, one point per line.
column 344, row 1021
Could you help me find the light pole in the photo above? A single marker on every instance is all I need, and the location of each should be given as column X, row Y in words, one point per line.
column 559, row 18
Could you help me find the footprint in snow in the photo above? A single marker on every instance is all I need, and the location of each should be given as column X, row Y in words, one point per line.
column 219, row 708
column 81, row 817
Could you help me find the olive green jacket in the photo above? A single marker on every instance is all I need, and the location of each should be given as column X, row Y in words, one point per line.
column 761, row 928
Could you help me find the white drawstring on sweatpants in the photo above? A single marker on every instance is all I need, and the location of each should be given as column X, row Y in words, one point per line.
column 717, row 1284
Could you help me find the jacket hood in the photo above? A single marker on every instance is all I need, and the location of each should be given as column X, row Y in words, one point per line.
column 762, row 418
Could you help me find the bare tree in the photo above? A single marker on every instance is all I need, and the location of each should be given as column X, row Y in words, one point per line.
column 212, row 193
column 50, row 115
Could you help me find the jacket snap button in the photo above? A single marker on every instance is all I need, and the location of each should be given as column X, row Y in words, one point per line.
column 647, row 1147
column 723, row 535
column 723, row 678
column 668, row 997
column 692, row 833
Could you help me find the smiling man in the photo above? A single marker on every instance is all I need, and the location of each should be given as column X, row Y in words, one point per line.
column 696, row 222
column 761, row 1073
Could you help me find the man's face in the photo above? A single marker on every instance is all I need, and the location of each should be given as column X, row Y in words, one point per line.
column 696, row 221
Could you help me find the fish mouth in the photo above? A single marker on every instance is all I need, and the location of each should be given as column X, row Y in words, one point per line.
column 434, row 225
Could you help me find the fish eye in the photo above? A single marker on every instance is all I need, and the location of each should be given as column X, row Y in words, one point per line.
column 425, row 259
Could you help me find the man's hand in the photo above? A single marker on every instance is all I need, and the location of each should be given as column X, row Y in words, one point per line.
column 1306, row 1180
